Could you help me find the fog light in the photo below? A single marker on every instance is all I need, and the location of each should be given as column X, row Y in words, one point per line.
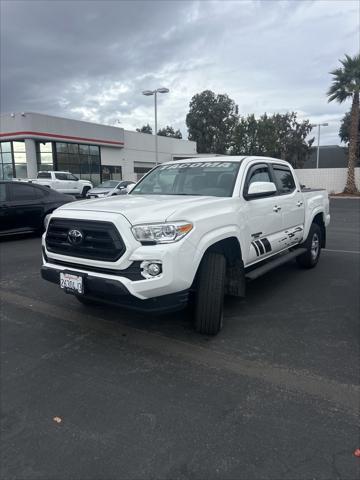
column 154, row 269
column 150, row 269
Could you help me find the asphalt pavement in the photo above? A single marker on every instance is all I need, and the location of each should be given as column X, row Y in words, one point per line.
column 103, row 393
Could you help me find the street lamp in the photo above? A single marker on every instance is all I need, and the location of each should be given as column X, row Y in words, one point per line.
column 318, row 145
column 148, row 93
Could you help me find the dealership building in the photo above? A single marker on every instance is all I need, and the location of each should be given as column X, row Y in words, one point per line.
column 30, row 142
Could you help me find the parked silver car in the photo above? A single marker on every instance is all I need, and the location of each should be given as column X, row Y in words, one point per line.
column 109, row 188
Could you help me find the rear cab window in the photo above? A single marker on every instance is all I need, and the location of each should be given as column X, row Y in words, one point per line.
column 285, row 181
column 44, row 175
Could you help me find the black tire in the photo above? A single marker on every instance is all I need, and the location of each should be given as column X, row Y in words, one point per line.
column 209, row 301
column 87, row 301
column 84, row 191
column 310, row 258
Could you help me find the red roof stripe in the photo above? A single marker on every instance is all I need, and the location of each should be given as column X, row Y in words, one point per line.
column 55, row 135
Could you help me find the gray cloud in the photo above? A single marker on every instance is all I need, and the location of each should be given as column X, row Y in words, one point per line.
column 91, row 59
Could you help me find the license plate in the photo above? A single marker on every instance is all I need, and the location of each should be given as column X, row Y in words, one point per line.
column 71, row 283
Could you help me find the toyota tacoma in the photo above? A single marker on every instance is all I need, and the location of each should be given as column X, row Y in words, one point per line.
column 188, row 233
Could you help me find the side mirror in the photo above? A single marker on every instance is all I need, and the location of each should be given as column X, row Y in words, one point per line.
column 261, row 189
column 121, row 187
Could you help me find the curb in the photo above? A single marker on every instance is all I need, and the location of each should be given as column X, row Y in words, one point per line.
column 345, row 198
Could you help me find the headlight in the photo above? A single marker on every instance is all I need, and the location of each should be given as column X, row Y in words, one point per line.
column 161, row 232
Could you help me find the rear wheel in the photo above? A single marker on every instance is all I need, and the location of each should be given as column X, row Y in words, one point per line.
column 209, row 300
column 310, row 258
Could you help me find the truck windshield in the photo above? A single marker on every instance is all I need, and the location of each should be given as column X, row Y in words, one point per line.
column 194, row 178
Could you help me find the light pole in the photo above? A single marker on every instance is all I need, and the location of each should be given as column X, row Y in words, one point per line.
column 148, row 93
column 318, row 145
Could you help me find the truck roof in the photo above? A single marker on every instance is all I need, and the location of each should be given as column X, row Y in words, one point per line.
column 53, row 171
column 227, row 158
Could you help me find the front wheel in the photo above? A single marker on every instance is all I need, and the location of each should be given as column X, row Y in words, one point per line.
column 209, row 301
column 310, row 258
column 84, row 191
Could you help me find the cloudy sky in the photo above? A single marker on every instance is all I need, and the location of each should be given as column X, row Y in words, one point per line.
column 90, row 60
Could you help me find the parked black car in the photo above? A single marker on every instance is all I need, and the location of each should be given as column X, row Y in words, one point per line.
column 24, row 206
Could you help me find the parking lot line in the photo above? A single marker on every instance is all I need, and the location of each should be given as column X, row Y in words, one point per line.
column 343, row 395
column 340, row 251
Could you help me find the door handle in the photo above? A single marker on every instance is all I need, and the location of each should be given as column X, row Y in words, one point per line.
column 299, row 203
column 276, row 208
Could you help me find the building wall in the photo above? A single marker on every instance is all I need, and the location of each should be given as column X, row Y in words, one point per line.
column 37, row 125
column 331, row 179
column 134, row 152
column 139, row 152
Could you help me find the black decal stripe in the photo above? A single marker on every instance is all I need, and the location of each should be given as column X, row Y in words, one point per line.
column 266, row 244
column 256, row 248
column 260, row 246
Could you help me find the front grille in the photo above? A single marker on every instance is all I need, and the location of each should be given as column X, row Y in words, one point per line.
column 133, row 272
column 100, row 240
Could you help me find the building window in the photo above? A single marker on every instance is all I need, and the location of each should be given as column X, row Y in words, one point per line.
column 82, row 160
column 45, row 157
column 19, row 159
column 140, row 171
column 6, row 163
column 79, row 159
column 12, row 160
column 110, row 172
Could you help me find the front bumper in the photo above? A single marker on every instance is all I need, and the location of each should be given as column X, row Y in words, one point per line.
column 177, row 260
column 114, row 292
column 96, row 195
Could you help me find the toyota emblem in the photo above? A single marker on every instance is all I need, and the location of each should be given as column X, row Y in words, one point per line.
column 75, row 237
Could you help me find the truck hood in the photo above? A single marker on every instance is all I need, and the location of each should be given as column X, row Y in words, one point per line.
column 145, row 208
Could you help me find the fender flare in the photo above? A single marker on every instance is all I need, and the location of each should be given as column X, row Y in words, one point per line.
column 309, row 222
column 213, row 237
column 83, row 187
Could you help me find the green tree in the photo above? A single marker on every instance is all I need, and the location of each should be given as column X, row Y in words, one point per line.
column 344, row 132
column 279, row 136
column 169, row 131
column 211, row 121
column 346, row 86
column 145, row 129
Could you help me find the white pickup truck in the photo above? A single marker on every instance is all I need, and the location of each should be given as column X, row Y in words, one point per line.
column 63, row 182
column 189, row 232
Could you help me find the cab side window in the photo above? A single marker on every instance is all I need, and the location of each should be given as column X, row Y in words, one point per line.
column 260, row 174
column 284, row 179
column 257, row 173
column 61, row 176
column 72, row 177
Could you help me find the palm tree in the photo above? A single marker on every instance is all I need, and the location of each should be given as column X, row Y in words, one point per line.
column 346, row 85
